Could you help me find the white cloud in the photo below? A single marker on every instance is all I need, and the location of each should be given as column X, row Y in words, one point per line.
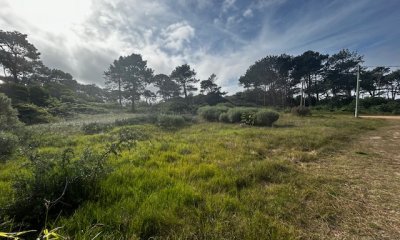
column 176, row 35
column 83, row 37
column 228, row 4
column 248, row 13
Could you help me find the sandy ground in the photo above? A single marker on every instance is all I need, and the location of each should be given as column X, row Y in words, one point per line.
column 383, row 117
column 370, row 203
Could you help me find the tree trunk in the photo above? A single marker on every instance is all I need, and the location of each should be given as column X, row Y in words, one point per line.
column 133, row 102
column 119, row 92
column 184, row 90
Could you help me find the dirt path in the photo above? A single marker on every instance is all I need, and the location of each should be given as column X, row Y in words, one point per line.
column 383, row 117
column 370, row 204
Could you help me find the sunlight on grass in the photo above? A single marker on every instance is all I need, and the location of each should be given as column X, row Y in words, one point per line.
column 208, row 181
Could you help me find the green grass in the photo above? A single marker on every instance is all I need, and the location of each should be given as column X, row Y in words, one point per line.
column 207, row 181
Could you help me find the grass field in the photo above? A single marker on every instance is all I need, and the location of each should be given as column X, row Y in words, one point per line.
column 207, row 180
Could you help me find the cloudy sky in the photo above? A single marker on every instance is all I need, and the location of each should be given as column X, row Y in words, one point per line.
column 214, row 36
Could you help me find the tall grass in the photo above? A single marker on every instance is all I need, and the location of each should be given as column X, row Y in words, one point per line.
column 211, row 181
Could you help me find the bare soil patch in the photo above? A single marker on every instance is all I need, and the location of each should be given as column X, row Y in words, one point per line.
column 369, row 204
column 382, row 117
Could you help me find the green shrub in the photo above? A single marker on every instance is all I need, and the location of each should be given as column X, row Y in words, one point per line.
column 72, row 180
column 301, row 111
column 212, row 113
column 8, row 115
column 248, row 118
column 236, row 115
column 170, row 121
column 372, row 101
column 141, row 119
column 32, row 114
column 93, row 128
column 224, row 117
column 61, row 183
column 38, row 95
column 388, row 107
column 265, row 118
column 8, row 144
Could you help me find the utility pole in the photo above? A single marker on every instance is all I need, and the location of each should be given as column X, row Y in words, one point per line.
column 301, row 93
column 357, row 91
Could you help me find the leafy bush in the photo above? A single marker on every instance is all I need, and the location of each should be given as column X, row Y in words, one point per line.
column 59, row 184
column 32, row 114
column 93, row 128
column 248, row 118
column 8, row 144
column 301, row 111
column 38, row 95
column 170, row 121
column 388, row 107
column 141, row 119
column 8, row 115
column 237, row 114
column 224, row 117
column 265, row 118
column 372, row 101
column 212, row 113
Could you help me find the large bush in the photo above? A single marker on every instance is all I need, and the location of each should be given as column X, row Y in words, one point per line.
column 236, row 115
column 224, row 117
column 212, row 113
column 372, row 101
column 8, row 144
column 265, row 118
column 8, row 115
column 58, row 184
column 141, row 119
column 38, row 95
column 32, row 114
column 170, row 121
column 301, row 111
column 95, row 127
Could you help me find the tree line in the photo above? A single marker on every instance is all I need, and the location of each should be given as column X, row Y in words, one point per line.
column 129, row 77
column 279, row 78
column 275, row 80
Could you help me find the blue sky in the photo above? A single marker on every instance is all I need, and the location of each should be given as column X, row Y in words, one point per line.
column 214, row 36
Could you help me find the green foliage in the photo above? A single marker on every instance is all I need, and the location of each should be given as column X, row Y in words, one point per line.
column 18, row 56
column 265, row 118
column 140, row 119
column 177, row 106
column 389, row 107
column 372, row 101
column 237, row 114
column 129, row 76
column 170, row 122
column 32, row 114
column 211, row 113
column 184, row 76
column 8, row 143
column 38, row 95
column 224, row 117
column 95, row 127
column 62, row 177
column 245, row 177
column 8, row 115
column 18, row 93
column 59, row 183
column 301, row 111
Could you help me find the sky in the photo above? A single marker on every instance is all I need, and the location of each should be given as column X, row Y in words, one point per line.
column 224, row 37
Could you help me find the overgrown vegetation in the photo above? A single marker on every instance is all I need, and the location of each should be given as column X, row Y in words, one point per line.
column 245, row 115
column 301, row 111
column 161, row 174
column 247, row 177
